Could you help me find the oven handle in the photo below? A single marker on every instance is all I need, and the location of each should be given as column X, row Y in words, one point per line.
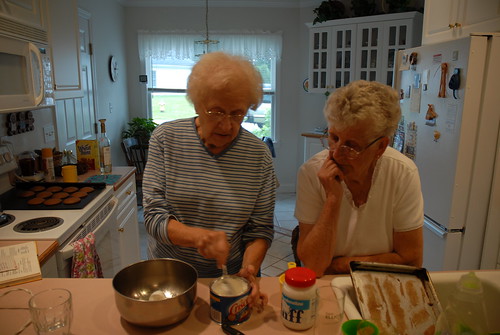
column 67, row 251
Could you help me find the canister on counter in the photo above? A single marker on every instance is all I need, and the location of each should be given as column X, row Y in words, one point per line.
column 298, row 302
column 228, row 300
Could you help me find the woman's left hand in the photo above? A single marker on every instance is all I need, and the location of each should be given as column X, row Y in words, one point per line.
column 257, row 298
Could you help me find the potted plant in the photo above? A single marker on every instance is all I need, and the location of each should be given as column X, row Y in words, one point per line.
column 141, row 129
column 329, row 10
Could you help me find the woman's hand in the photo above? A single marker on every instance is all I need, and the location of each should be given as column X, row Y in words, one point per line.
column 256, row 299
column 214, row 245
column 330, row 176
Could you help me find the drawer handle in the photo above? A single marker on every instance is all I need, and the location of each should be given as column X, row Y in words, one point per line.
column 121, row 230
column 129, row 192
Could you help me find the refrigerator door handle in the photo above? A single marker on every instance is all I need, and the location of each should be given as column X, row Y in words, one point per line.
column 438, row 229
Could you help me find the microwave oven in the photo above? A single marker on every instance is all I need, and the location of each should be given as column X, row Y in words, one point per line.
column 26, row 78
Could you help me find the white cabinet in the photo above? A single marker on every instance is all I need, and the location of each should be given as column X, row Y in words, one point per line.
column 49, row 268
column 446, row 20
column 24, row 19
column 65, row 48
column 127, row 224
column 27, row 12
column 313, row 143
column 344, row 50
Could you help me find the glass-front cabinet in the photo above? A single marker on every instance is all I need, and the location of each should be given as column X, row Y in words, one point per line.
column 359, row 48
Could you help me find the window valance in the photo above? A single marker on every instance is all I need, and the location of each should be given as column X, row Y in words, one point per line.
column 180, row 44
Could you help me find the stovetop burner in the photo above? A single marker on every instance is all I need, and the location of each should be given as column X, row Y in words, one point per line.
column 6, row 219
column 38, row 224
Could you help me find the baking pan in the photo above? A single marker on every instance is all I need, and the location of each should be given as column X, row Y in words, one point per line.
column 399, row 295
column 13, row 201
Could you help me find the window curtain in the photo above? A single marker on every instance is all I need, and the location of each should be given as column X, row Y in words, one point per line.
column 180, row 45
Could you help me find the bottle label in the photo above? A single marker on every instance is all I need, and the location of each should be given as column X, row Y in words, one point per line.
column 106, row 155
column 296, row 313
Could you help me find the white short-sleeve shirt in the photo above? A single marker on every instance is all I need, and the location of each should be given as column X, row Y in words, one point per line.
column 394, row 204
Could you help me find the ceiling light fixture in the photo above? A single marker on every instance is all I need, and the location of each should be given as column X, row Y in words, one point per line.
column 207, row 45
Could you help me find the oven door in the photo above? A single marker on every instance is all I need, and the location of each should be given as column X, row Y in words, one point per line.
column 102, row 224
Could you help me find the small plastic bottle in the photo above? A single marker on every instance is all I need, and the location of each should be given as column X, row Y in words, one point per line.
column 48, row 164
column 298, row 302
column 465, row 313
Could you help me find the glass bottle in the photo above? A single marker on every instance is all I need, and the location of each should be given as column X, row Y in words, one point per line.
column 104, row 149
column 48, row 164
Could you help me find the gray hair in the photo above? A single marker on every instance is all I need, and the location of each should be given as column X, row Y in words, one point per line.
column 361, row 100
column 228, row 76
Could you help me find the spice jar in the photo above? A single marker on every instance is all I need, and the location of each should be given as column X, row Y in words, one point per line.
column 27, row 163
column 298, row 302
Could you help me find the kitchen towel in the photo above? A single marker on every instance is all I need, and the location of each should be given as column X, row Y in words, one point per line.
column 86, row 263
column 109, row 179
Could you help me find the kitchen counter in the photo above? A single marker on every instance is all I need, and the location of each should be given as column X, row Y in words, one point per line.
column 95, row 311
column 45, row 249
column 124, row 171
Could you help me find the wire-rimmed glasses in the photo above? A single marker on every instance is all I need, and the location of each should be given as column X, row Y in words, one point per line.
column 218, row 114
column 347, row 151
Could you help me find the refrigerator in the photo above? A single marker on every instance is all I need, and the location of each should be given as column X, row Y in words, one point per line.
column 450, row 127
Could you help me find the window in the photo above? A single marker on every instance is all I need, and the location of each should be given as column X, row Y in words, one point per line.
column 168, row 60
column 168, row 101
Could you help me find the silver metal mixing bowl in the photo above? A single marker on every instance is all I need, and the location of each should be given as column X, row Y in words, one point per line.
column 156, row 292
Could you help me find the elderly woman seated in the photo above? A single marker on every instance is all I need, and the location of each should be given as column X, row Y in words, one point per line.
column 360, row 200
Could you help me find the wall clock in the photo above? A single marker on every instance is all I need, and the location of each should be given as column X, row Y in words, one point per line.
column 113, row 68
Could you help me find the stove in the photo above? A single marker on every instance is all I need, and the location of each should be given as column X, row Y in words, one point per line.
column 6, row 219
column 59, row 220
column 70, row 220
column 38, row 224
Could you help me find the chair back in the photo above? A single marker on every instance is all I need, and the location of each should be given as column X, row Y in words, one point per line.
column 136, row 154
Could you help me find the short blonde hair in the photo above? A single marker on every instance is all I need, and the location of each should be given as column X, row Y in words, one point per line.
column 361, row 100
column 229, row 76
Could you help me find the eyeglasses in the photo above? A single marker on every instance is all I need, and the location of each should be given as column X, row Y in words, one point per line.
column 349, row 152
column 217, row 114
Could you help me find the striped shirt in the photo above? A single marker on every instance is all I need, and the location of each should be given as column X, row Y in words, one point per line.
column 232, row 192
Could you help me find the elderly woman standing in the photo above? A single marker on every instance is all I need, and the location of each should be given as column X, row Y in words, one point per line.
column 361, row 199
column 209, row 184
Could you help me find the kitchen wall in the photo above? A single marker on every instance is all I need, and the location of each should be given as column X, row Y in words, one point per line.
column 296, row 110
column 33, row 139
column 107, row 29
column 114, row 31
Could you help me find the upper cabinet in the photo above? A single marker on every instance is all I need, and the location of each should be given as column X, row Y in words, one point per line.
column 344, row 50
column 446, row 20
column 64, row 42
column 24, row 18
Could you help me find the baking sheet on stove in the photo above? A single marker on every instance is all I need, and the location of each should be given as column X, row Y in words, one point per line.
column 11, row 200
column 400, row 295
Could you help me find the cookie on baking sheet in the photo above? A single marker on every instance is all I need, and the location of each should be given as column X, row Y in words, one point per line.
column 35, row 201
column 52, row 202
column 70, row 189
column 38, row 188
column 44, row 194
column 71, row 200
column 79, row 194
column 54, row 189
column 87, row 189
column 60, row 195
column 27, row 194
